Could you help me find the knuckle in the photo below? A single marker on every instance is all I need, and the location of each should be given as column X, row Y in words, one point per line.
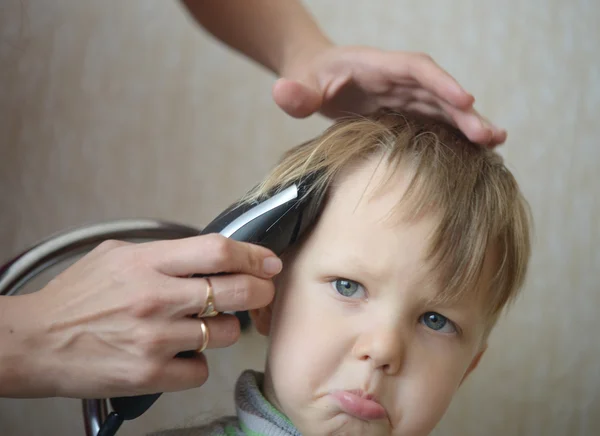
column 120, row 257
column 220, row 249
column 145, row 304
column 243, row 290
column 119, row 269
column 149, row 341
column 250, row 292
column 254, row 262
column 127, row 266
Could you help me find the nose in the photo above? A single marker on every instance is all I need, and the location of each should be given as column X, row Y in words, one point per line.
column 384, row 347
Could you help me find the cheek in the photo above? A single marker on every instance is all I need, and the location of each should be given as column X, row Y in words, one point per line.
column 301, row 356
column 425, row 396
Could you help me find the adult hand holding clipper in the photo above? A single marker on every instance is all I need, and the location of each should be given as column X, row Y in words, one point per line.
column 111, row 324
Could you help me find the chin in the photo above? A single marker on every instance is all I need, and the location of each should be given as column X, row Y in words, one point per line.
column 345, row 425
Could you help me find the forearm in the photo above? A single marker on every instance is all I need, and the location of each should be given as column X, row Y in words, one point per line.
column 275, row 33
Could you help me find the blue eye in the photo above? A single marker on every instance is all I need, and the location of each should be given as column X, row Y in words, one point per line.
column 437, row 322
column 348, row 288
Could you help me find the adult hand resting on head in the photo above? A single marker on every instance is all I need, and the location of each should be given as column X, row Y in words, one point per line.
column 339, row 80
column 111, row 324
column 318, row 76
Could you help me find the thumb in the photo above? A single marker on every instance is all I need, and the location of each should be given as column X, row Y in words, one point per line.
column 296, row 99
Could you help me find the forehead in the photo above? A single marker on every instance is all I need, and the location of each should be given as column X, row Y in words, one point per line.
column 367, row 195
column 362, row 229
column 360, row 221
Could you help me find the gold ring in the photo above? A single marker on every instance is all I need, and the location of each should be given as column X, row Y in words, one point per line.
column 209, row 306
column 205, row 337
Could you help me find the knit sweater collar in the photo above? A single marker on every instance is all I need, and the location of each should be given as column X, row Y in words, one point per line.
column 257, row 416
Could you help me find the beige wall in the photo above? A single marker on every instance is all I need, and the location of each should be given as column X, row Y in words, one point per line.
column 113, row 109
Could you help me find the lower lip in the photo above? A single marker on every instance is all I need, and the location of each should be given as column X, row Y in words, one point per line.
column 359, row 407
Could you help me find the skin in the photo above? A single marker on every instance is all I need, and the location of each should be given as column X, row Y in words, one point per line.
column 374, row 337
column 317, row 76
column 111, row 324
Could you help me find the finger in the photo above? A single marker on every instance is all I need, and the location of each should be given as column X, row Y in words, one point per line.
column 431, row 111
column 223, row 331
column 180, row 374
column 471, row 125
column 210, row 254
column 476, row 127
column 186, row 334
column 418, row 99
column 431, row 76
column 499, row 135
column 232, row 293
column 296, row 99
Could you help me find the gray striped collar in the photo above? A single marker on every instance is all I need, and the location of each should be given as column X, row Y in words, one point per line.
column 258, row 417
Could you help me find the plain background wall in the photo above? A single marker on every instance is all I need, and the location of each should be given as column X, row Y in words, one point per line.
column 113, row 109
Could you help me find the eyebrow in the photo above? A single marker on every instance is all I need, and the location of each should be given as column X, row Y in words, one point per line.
column 355, row 263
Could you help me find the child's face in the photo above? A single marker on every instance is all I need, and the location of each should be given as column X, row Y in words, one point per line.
column 351, row 320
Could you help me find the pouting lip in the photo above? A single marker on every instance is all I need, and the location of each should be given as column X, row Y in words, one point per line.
column 359, row 393
column 375, row 411
column 362, row 394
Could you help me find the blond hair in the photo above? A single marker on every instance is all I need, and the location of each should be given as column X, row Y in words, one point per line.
column 476, row 196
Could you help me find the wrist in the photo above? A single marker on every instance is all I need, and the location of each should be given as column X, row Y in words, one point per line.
column 12, row 351
column 22, row 374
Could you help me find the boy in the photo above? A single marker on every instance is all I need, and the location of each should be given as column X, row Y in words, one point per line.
column 385, row 307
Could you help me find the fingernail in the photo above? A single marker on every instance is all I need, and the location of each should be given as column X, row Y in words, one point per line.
column 272, row 265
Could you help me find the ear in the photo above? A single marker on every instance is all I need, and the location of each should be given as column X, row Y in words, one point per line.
column 261, row 318
column 474, row 362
